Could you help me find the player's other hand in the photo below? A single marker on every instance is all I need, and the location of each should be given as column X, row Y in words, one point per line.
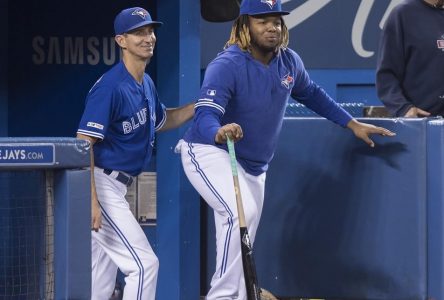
column 415, row 112
column 233, row 130
column 364, row 130
column 96, row 214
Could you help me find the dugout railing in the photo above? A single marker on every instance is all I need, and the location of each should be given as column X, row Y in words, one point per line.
column 45, row 219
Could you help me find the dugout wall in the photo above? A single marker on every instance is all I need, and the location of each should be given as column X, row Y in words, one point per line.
column 342, row 220
column 45, row 245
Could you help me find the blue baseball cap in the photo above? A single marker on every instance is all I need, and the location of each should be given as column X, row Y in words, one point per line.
column 132, row 18
column 261, row 7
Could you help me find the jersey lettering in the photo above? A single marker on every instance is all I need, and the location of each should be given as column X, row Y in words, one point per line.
column 153, row 117
column 127, row 128
column 133, row 124
column 141, row 115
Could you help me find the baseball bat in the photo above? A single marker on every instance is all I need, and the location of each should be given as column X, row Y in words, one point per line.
column 251, row 284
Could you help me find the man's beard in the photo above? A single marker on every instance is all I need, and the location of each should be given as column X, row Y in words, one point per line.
column 263, row 48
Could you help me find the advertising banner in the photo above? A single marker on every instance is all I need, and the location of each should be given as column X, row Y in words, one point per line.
column 325, row 33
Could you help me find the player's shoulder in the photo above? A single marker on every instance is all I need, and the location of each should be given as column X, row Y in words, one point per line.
column 288, row 52
column 289, row 56
column 406, row 9
column 148, row 80
column 408, row 5
column 116, row 75
column 149, row 86
column 113, row 79
column 232, row 57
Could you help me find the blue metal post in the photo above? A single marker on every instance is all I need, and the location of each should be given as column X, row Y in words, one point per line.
column 72, row 237
column 178, row 81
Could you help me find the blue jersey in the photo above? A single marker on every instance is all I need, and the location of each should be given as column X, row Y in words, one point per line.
column 237, row 88
column 123, row 115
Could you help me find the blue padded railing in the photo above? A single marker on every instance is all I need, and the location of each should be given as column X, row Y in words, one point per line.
column 43, row 152
column 45, row 211
column 295, row 109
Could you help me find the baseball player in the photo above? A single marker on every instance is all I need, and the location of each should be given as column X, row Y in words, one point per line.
column 121, row 116
column 244, row 95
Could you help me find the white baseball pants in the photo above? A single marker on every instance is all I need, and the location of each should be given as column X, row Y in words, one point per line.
column 209, row 170
column 120, row 243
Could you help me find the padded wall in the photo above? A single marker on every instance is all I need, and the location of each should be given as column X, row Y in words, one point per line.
column 72, row 249
column 435, row 208
column 343, row 220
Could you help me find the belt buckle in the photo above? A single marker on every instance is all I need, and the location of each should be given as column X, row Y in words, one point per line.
column 125, row 179
column 121, row 177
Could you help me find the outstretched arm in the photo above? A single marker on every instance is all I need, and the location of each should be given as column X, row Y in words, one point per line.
column 175, row 117
column 96, row 214
column 364, row 130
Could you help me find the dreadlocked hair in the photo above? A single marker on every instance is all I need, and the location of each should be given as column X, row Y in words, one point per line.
column 240, row 34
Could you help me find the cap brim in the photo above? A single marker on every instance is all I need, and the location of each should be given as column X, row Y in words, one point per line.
column 145, row 23
column 282, row 13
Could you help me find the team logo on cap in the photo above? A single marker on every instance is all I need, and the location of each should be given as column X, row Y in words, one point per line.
column 140, row 12
column 287, row 81
column 270, row 3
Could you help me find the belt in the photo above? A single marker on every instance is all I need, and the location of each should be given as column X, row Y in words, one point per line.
column 119, row 176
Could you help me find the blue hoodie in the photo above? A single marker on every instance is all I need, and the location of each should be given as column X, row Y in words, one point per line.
column 237, row 88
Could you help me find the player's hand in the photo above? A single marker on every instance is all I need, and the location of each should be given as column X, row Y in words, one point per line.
column 96, row 214
column 364, row 130
column 233, row 130
column 415, row 112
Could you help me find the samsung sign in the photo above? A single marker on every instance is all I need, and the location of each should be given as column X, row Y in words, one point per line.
column 70, row 50
column 326, row 33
